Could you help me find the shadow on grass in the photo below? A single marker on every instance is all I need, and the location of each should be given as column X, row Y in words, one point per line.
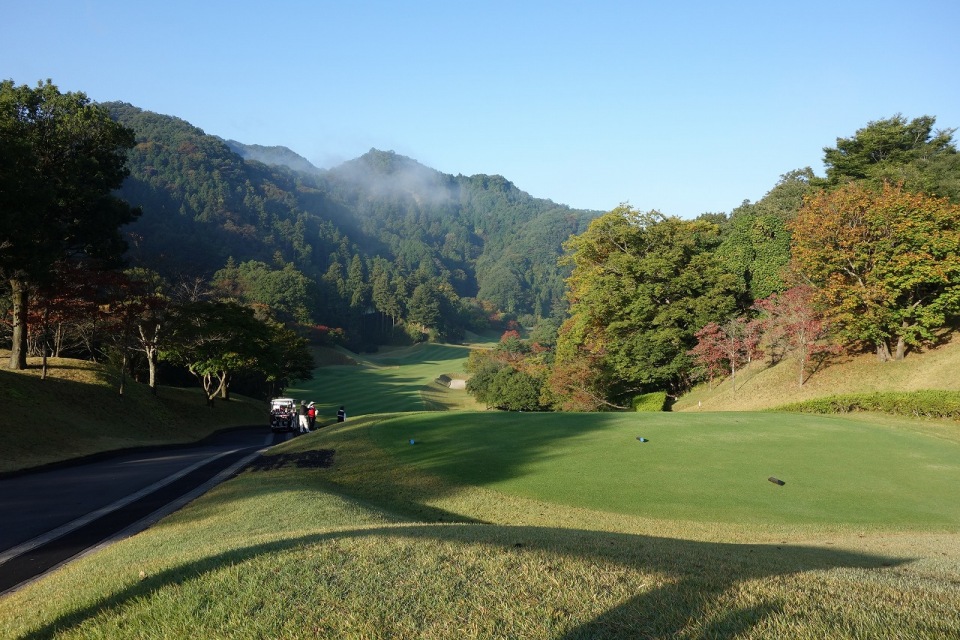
column 699, row 573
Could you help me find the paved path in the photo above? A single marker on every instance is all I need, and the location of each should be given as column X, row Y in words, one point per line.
column 49, row 517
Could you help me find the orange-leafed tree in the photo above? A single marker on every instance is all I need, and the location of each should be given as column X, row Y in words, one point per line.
column 884, row 264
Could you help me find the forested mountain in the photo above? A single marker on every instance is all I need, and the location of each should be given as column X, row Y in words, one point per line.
column 381, row 216
column 274, row 156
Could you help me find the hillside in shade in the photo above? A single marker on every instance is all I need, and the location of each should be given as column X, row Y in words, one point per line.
column 206, row 201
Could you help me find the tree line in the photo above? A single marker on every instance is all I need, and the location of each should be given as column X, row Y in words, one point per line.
column 379, row 222
column 233, row 265
column 865, row 258
column 61, row 259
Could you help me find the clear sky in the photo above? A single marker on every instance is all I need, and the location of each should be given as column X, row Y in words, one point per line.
column 681, row 106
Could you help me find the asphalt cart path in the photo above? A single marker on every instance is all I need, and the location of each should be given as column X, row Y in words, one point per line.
column 49, row 517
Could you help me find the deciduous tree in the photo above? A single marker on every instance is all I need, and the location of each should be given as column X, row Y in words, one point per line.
column 641, row 285
column 790, row 319
column 885, row 264
column 899, row 151
column 60, row 158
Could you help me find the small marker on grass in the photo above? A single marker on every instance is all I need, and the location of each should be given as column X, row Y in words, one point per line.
column 776, row 481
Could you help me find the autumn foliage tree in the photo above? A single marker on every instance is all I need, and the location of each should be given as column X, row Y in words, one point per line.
column 793, row 325
column 884, row 263
column 726, row 346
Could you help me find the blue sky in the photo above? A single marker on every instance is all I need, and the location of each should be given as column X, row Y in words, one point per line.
column 680, row 106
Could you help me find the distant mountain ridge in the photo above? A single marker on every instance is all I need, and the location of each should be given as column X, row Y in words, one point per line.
column 276, row 156
column 206, row 200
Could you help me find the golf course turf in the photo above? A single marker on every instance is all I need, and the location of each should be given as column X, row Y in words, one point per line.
column 705, row 467
column 437, row 524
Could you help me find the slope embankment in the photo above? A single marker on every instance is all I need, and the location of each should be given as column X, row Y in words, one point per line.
column 762, row 385
column 77, row 411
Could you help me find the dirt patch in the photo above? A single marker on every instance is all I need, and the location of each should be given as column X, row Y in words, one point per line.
column 319, row 459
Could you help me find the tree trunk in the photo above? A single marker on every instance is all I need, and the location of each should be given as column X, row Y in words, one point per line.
column 208, row 389
column 123, row 373
column 18, row 346
column 883, row 351
column 901, row 343
column 225, row 386
column 152, row 370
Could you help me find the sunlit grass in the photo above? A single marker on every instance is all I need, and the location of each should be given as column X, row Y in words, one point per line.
column 507, row 525
column 394, row 379
column 708, row 467
column 378, row 547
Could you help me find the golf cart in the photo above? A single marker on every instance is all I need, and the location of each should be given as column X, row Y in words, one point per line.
column 283, row 414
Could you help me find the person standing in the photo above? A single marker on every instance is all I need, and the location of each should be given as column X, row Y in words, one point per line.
column 304, row 420
column 311, row 415
column 341, row 414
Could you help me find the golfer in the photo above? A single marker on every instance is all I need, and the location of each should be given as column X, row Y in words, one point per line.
column 304, row 419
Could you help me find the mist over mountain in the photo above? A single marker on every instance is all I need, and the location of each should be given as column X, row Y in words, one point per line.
column 275, row 156
column 207, row 202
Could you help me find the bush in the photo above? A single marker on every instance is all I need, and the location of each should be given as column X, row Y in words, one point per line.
column 655, row 401
column 921, row 404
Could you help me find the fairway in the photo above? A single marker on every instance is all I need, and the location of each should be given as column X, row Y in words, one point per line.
column 392, row 381
column 877, row 473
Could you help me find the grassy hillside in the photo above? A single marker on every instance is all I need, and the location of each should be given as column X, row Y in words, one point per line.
column 351, row 532
column 394, row 379
column 762, row 386
column 77, row 411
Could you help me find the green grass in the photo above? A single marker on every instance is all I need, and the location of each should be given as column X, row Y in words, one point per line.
column 519, row 525
column 392, row 542
column 395, row 379
column 712, row 467
column 77, row 411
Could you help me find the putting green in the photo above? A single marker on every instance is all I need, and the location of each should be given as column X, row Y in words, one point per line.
column 874, row 472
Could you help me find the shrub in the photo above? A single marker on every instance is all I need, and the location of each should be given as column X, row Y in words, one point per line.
column 655, row 401
column 921, row 404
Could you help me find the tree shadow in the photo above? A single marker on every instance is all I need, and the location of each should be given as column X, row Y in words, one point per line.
column 663, row 611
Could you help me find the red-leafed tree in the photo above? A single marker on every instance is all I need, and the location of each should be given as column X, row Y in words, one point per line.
column 708, row 354
column 726, row 346
column 65, row 302
column 793, row 322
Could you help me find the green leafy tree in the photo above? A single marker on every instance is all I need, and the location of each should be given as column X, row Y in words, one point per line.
column 214, row 340
column 756, row 241
column 641, row 285
column 898, row 151
column 424, row 306
column 61, row 157
column 287, row 358
column 885, row 264
column 289, row 294
column 500, row 378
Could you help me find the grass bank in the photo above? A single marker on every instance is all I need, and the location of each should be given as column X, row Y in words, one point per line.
column 762, row 386
column 351, row 532
column 77, row 411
